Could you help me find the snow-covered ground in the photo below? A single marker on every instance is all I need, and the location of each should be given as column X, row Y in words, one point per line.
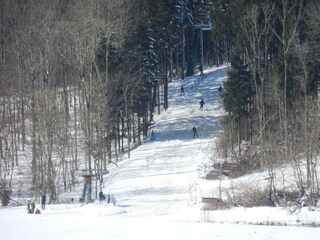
column 160, row 188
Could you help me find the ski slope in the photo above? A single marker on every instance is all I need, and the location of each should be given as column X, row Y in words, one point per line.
column 158, row 190
column 161, row 177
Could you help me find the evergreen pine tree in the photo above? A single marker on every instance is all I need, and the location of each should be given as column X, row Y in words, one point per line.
column 237, row 89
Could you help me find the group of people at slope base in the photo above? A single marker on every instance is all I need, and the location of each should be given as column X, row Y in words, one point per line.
column 109, row 198
column 31, row 206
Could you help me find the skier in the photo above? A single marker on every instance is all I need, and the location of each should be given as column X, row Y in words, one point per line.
column 33, row 206
column 182, row 90
column 201, row 70
column 220, row 90
column 28, row 207
column 201, row 104
column 152, row 135
column 194, row 130
column 100, row 196
column 43, row 202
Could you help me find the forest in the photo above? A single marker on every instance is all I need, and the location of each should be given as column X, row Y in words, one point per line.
column 86, row 77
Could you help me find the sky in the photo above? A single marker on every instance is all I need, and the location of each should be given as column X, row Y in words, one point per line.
column 159, row 189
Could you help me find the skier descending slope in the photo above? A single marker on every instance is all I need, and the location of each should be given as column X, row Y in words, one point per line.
column 201, row 104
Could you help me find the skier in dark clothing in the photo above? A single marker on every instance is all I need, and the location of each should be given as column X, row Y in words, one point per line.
column 152, row 135
column 33, row 206
column 201, row 104
column 194, row 130
column 220, row 90
column 28, row 207
column 43, row 202
column 182, row 90
column 201, row 70
column 101, row 196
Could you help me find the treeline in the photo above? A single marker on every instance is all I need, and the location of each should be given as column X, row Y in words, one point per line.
column 86, row 77
column 271, row 95
column 81, row 80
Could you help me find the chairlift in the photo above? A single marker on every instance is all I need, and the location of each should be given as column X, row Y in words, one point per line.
column 203, row 27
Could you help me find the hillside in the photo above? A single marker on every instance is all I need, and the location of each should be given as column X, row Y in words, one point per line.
column 171, row 164
column 82, row 78
column 159, row 190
